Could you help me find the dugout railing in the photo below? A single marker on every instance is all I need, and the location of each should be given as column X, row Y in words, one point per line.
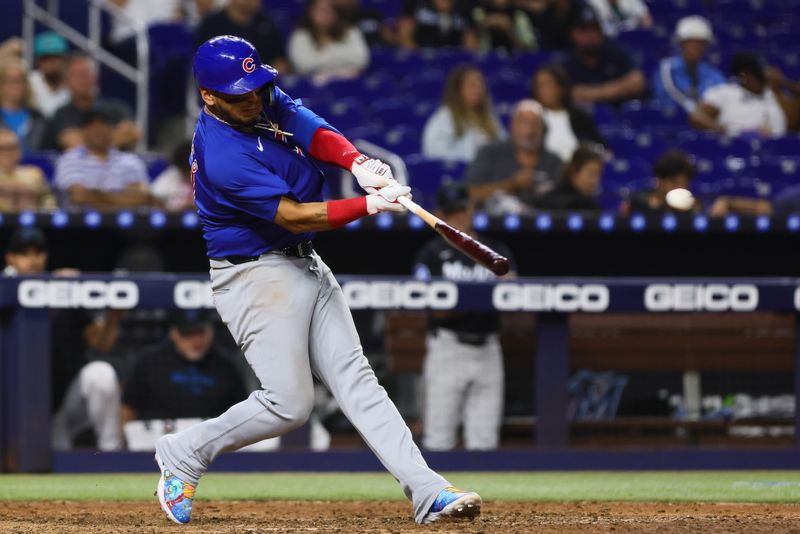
column 25, row 343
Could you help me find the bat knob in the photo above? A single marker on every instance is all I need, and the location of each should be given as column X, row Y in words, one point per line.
column 500, row 266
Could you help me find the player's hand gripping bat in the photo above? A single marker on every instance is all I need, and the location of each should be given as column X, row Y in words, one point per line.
column 471, row 247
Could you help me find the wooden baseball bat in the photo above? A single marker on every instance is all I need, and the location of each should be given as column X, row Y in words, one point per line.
column 473, row 248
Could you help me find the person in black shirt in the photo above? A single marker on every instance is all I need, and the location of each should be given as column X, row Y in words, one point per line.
column 600, row 70
column 368, row 20
column 436, row 23
column 463, row 370
column 246, row 19
column 580, row 184
column 672, row 170
column 185, row 377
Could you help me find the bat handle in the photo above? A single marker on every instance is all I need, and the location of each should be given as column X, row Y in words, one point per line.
column 420, row 212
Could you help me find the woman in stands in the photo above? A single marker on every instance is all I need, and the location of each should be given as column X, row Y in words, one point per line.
column 567, row 125
column 579, row 186
column 17, row 112
column 22, row 187
column 325, row 47
column 465, row 120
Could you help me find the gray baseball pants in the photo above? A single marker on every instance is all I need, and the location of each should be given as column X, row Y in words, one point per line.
column 463, row 385
column 290, row 319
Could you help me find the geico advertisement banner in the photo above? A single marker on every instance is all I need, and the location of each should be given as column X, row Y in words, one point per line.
column 701, row 297
column 89, row 294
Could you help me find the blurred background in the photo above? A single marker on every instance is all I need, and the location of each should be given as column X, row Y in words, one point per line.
column 553, row 129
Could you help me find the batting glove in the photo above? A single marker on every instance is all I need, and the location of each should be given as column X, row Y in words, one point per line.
column 372, row 174
column 386, row 199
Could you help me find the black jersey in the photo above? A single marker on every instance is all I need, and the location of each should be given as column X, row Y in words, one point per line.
column 437, row 258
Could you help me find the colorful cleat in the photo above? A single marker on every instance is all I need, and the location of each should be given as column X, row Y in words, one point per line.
column 452, row 503
column 174, row 495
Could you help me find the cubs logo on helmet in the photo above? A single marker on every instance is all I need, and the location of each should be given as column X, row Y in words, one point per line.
column 248, row 65
column 230, row 65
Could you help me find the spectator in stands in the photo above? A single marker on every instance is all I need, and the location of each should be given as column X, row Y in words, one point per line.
column 87, row 394
column 600, row 70
column 184, row 377
column 551, row 20
column 672, row 170
column 12, row 48
column 22, row 187
column 465, row 121
column 622, row 15
column 95, row 175
column 567, row 125
column 682, row 79
column 47, row 82
column 579, row 186
column 325, row 46
column 502, row 25
column 508, row 176
column 248, row 20
column 173, row 187
column 746, row 106
column 65, row 130
column 435, row 24
column 369, row 21
column 17, row 111
column 463, row 369
column 788, row 94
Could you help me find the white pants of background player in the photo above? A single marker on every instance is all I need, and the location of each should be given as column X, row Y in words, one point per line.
column 92, row 401
column 290, row 319
column 463, row 385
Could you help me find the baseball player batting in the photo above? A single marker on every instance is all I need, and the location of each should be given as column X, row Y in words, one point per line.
column 258, row 190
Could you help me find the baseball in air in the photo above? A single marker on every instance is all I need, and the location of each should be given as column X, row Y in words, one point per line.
column 680, row 199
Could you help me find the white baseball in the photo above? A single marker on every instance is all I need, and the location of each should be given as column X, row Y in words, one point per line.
column 680, row 199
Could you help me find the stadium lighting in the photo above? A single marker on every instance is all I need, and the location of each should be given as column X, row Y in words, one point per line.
column 574, row 222
column 480, row 221
column 27, row 218
column 124, row 219
column 793, row 223
column 189, row 219
column 92, row 219
column 511, row 222
column 59, row 219
column 606, row 222
column 731, row 223
column 544, row 222
column 384, row 221
column 669, row 222
column 353, row 225
column 415, row 223
column 638, row 222
column 700, row 223
column 158, row 219
column 762, row 223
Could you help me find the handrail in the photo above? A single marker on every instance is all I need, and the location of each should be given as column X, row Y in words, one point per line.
column 91, row 45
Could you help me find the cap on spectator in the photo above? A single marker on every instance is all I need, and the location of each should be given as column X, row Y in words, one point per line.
column 585, row 17
column 453, row 196
column 96, row 114
column 49, row 44
column 693, row 27
column 188, row 321
column 25, row 238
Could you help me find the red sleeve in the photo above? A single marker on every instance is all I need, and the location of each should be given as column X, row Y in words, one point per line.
column 332, row 147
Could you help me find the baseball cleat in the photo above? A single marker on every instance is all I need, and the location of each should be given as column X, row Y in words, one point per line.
column 175, row 495
column 452, row 503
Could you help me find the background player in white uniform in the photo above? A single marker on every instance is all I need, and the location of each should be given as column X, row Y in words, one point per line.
column 463, row 370
column 258, row 191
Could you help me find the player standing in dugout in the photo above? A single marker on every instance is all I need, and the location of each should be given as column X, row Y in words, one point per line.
column 258, row 191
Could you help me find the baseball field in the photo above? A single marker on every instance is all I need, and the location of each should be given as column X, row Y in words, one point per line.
column 745, row 501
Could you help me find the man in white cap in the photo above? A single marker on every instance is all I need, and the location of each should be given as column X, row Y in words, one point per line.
column 681, row 80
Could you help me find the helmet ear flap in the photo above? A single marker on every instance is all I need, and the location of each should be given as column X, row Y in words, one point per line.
column 269, row 93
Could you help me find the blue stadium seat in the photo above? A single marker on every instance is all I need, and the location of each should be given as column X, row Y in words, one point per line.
column 402, row 140
column 425, row 176
column 44, row 160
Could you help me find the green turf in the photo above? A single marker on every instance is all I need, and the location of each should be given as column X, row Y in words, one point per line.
column 744, row 486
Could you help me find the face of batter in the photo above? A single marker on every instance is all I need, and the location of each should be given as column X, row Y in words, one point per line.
column 239, row 110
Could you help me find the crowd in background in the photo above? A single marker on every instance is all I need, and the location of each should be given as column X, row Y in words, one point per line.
column 57, row 104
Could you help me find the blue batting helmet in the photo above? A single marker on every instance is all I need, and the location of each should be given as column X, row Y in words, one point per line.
column 230, row 65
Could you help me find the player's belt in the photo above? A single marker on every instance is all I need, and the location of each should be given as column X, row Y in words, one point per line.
column 300, row 250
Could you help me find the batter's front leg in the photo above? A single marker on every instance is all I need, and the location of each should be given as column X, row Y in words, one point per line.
column 338, row 360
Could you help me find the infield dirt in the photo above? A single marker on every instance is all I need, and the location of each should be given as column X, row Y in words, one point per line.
column 249, row 517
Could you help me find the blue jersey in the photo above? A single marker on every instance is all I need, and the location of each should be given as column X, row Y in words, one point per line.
column 239, row 178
